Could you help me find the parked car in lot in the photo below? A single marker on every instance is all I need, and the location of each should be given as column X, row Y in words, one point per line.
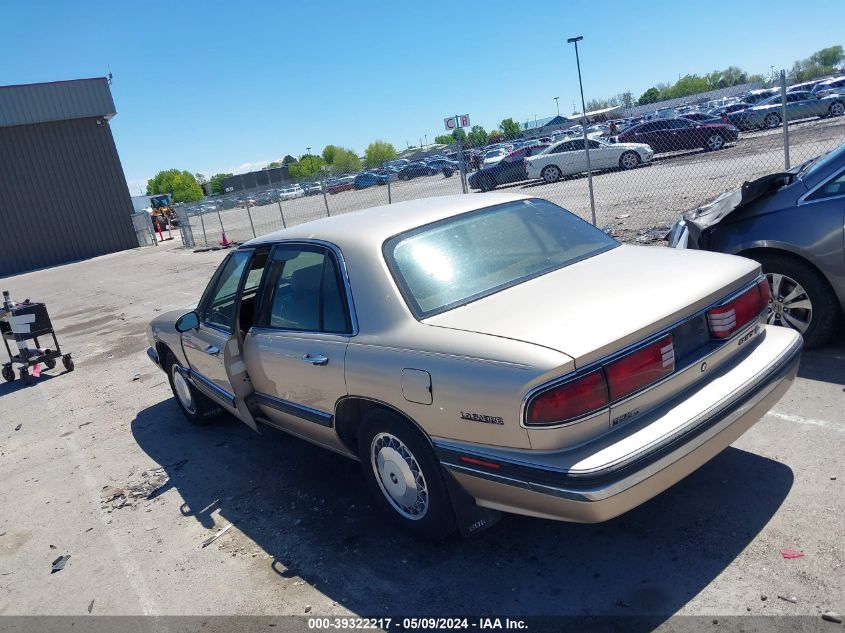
column 807, row 85
column 755, row 96
column 568, row 158
column 444, row 165
column 471, row 354
column 793, row 226
column 510, row 169
column 672, row 135
column 829, row 87
column 344, row 183
column 311, row 188
column 369, row 179
column 289, row 193
column 799, row 105
column 414, row 170
column 702, row 117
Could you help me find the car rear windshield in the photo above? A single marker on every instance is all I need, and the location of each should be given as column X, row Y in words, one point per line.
column 452, row 262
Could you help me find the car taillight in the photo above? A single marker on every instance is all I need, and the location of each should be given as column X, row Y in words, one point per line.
column 640, row 368
column 570, row 400
column 726, row 319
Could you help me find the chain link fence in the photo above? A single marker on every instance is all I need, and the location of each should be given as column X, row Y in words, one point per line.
column 645, row 170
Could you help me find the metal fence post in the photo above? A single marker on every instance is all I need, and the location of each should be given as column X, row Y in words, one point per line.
column 785, row 120
column 252, row 226
column 282, row 213
column 462, row 166
column 389, row 198
column 202, row 223
column 325, row 198
column 222, row 228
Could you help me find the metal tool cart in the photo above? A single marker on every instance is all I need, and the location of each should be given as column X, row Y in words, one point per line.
column 25, row 322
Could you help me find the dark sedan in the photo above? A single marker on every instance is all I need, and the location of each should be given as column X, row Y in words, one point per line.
column 672, row 135
column 792, row 223
column 415, row 170
column 510, row 169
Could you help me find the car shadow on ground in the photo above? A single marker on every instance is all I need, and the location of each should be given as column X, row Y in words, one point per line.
column 826, row 364
column 309, row 510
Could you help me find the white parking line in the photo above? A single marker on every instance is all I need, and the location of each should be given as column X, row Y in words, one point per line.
column 789, row 417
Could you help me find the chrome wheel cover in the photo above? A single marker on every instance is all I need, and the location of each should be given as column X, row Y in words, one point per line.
column 772, row 121
column 399, row 476
column 629, row 160
column 551, row 173
column 789, row 303
column 837, row 109
column 183, row 390
column 715, row 141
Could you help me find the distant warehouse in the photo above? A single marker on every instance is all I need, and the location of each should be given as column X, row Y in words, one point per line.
column 63, row 195
column 256, row 179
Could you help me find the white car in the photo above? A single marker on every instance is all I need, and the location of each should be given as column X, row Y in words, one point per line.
column 494, row 156
column 289, row 193
column 568, row 158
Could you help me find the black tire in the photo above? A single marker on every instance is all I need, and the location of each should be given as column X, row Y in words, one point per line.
column 772, row 121
column 551, row 174
column 714, row 143
column 8, row 373
column 487, row 182
column 50, row 363
column 437, row 520
column 825, row 308
column 447, row 172
column 203, row 411
column 837, row 108
column 67, row 362
column 626, row 162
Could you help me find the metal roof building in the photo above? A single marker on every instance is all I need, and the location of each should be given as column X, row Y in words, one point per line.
column 63, row 195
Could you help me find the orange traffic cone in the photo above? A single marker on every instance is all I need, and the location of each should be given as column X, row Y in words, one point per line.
column 225, row 242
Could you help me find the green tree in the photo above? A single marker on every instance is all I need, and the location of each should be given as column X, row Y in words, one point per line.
column 510, row 128
column 181, row 184
column 377, row 152
column 625, row 99
column 443, row 139
column 288, row 160
column 649, row 96
column 477, row 136
column 459, row 134
column 201, row 179
column 495, row 136
column 306, row 168
column 217, row 182
column 345, row 161
column 274, row 165
column 829, row 57
column 329, row 152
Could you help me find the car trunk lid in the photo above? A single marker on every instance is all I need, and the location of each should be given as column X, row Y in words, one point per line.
column 602, row 304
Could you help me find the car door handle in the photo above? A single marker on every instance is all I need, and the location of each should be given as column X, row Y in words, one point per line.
column 212, row 349
column 315, row 360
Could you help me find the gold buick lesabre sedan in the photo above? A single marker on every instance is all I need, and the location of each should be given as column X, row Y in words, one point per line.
column 481, row 354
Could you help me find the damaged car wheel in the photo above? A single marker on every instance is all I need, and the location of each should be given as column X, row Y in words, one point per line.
column 195, row 406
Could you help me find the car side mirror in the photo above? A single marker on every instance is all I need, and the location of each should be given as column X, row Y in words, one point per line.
column 189, row 321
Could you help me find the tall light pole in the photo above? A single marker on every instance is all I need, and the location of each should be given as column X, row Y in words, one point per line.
column 575, row 40
column 307, row 151
column 557, row 105
column 426, row 140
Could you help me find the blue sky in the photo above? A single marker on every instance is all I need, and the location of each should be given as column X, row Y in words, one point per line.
column 212, row 87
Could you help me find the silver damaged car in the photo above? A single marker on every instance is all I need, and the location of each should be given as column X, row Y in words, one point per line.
column 484, row 354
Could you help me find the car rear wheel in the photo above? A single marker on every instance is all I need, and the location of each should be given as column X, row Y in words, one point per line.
column 772, row 120
column 629, row 160
column 799, row 298
column 837, row 108
column 714, row 142
column 551, row 173
column 487, row 183
column 196, row 407
column 404, row 476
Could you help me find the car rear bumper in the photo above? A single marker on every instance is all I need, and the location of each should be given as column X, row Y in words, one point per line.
column 712, row 417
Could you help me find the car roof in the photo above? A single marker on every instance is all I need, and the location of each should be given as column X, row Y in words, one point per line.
column 376, row 224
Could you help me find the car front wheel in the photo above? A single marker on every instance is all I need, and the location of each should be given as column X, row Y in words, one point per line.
column 487, row 182
column 196, row 407
column 629, row 160
column 551, row 173
column 772, row 120
column 404, row 476
column 799, row 298
column 714, row 142
column 837, row 108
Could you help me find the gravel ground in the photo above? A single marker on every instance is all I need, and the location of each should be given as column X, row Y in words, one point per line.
column 103, row 467
column 630, row 202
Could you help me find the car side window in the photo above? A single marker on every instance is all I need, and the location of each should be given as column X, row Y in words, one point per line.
column 833, row 187
column 304, row 291
column 220, row 309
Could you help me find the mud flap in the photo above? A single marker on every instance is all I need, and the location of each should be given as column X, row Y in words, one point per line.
column 241, row 385
column 471, row 518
